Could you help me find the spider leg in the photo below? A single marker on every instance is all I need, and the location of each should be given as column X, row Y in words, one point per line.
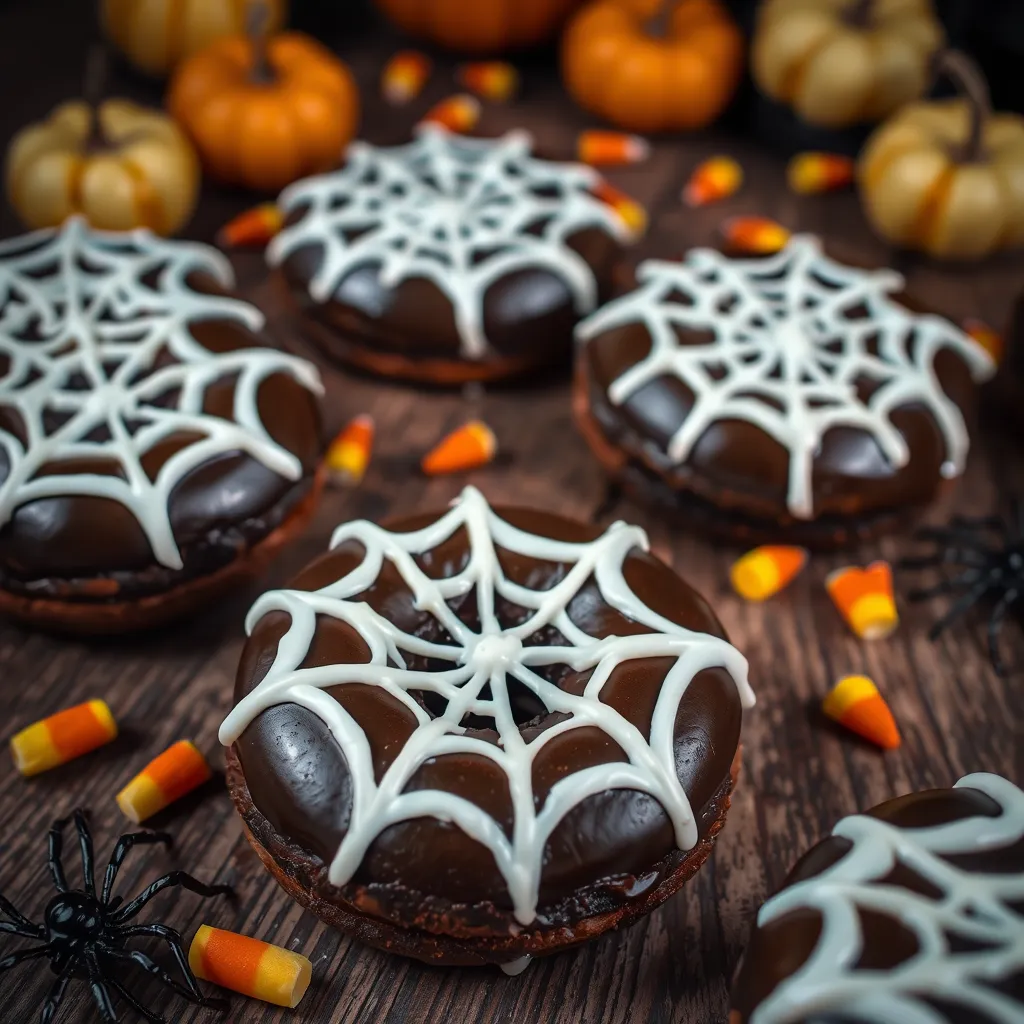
column 56, row 994
column 182, row 878
column 173, row 940
column 19, row 956
column 995, row 625
column 56, row 849
column 958, row 609
column 85, row 845
column 154, row 1018
column 945, row 586
column 140, row 959
column 121, row 850
column 100, row 993
column 21, row 924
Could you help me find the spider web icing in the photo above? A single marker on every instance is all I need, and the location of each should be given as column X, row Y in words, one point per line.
column 87, row 319
column 459, row 212
column 972, row 905
column 793, row 335
column 477, row 659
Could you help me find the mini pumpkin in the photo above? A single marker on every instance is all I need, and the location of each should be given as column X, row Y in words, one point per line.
column 263, row 114
column 839, row 63
column 666, row 65
column 120, row 165
column 946, row 177
column 479, row 26
column 155, row 35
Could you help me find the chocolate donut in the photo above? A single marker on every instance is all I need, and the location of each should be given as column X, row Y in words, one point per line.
column 911, row 913
column 154, row 448
column 786, row 398
column 484, row 735
column 448, row 259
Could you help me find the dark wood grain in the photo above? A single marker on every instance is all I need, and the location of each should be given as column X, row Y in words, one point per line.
column 799, row 775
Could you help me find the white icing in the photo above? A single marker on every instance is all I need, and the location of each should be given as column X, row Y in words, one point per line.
column 92, row 315
column 516, row 967
column 453, row 210
column 973, row 905
column 772, row 362
column 478, row 659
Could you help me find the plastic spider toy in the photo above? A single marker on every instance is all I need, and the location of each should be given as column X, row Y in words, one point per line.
column 85, row 935
column 987, row 555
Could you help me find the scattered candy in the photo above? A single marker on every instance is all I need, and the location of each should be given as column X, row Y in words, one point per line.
column 864, row 598
column 349, row 453
column 633, row 215
column 62, row 737
column 753, row 236
column 856, row 704
column 458, row 114
column 405, row 75
column 810, row 173
column 990, row 340
column 254, row 227
column 714, row 180
column 249, row 966
column 763, row 572
column 492, row 79
column 469, row 447
column 615, row 148
column 177, row 771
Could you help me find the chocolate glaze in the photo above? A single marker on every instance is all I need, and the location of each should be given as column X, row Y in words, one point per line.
column 782, row 947
column 737, row 467
column 298, row 779
column 56, row 547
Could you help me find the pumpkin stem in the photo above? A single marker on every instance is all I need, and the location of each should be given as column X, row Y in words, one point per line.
column 971, row 85
column 96, row 70
column 858, row 14
column 660, row 22
column 257, row 20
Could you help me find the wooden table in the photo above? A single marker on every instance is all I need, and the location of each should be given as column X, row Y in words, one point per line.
column 799, row 775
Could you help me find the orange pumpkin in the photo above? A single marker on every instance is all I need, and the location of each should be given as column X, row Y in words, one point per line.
column 653, row 65
column 263, row 115
column 479, row 26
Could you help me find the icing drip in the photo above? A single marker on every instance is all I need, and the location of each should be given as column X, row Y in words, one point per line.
column 479, row 660
column 516, row 967
column 459, row 212
column 985, row 908
column 793, row 334
column 87, row 318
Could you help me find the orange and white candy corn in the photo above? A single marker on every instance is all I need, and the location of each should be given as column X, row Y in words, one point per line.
column 491, row 79
column 632, row 214
column 177, row 771
column 349, row 453
column 457, row 113
column 249, row 966
column 404, row 76
column 856, row 704
column 612, row 148
column 469, row 447
column 62, row 737
column 253, row 227
column 810, row 173
column 865, row 599
column 714, row 180
column 990, row 340
column 763, row 572
column 753, row 236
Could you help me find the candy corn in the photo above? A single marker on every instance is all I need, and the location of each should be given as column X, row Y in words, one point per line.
column 600, row 147
column 404, row 76
column 62, row 737
column 177, row 771
column 763, row 572
column 253, row 227
column 809, row 173
column 492, row 79
column 249, row 966
column 714, row 180
column 855, row 703
column 633, row 215
column 349, row 453
column 457, row 113
column 753, row 236
column 864, row 598
column 991, row 341
column 468, row 447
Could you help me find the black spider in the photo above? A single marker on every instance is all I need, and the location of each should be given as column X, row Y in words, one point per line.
column 988, row 553
column 85, row 935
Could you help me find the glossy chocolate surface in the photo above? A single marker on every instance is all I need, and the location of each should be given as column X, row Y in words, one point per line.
column 297, row 776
